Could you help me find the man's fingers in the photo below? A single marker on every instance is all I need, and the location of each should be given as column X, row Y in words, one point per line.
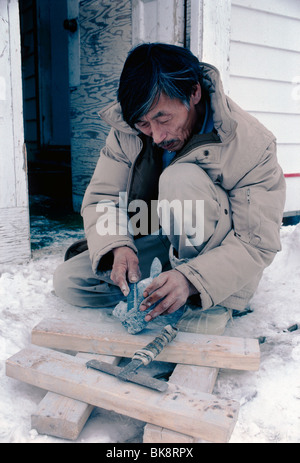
column 167, row 306
column 125, row 265
column 157, row 283
column 119, row 278
column 169, row 291
column 134, row 273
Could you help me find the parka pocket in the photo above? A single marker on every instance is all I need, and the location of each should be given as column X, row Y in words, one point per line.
column 271, row 218
column 256, row 219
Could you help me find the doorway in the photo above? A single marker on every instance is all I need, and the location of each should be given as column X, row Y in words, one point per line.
column 46, row 112
column 45, row 76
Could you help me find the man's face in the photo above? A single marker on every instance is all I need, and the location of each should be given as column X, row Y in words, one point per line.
column 169, row 122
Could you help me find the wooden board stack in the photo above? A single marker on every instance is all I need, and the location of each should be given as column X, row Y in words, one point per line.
column 187, row 412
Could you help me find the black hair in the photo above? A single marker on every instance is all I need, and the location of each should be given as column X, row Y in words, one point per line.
column 154, row 68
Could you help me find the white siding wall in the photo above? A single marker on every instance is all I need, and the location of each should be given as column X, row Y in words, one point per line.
column 265, row 76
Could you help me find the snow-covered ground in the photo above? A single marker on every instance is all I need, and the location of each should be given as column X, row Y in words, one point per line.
column 269, row 398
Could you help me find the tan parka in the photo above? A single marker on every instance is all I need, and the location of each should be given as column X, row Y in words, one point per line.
column 242, row 160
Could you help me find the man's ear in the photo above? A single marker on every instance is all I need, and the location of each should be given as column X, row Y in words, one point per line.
column 196, row 94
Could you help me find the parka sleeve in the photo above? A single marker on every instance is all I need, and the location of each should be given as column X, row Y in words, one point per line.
column 257, row 204
column 104, row 217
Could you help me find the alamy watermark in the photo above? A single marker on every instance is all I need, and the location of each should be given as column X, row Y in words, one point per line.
column 175, row 218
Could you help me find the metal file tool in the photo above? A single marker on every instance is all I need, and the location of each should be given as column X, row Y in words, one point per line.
column 142, row 357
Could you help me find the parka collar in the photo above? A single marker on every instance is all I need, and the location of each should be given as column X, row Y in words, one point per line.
column 224, row 123
column 112, row 115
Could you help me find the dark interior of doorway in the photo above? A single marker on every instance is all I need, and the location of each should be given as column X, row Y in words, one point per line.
column 46, row 124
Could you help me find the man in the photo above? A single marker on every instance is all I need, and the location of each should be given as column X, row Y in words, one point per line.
column 175, row 136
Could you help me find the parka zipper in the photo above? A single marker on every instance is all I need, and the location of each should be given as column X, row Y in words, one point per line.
column 171, row 163
column 190, row 152
column 132, row 170
column 248, row 195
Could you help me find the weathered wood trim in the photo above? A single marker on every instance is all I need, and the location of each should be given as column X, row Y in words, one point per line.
column 17, row 109
column 14, row 214
column 210, row 34
column 158, row 21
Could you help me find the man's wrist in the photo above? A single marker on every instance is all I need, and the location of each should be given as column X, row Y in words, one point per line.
column 192, row 289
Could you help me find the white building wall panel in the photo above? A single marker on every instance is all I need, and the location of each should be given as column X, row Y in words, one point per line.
column 265, row 76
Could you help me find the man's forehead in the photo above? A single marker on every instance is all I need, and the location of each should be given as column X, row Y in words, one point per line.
column 162, row 106
column 154, row 116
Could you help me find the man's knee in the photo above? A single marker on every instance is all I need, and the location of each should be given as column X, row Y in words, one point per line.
column 186, row 181
column 188, row 206
column 71, row 281
column 61, row 282
column 75, row 283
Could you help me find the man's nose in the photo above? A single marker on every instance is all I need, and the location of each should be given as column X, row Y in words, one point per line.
column 158, row 134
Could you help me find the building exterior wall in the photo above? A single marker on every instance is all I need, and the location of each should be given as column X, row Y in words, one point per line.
column 254, row 44
column 265, row 76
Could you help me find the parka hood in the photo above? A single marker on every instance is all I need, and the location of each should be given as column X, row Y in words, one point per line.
column 224, row 123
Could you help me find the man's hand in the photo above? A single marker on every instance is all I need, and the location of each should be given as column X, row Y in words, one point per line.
column 173, row 288
column 125, row 265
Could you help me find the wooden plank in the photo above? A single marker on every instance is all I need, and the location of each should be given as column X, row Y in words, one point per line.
column 61, row 416
column 158, row 435
column 199, row 414
column 201, row 379
column 113, row 339
column 197, row 378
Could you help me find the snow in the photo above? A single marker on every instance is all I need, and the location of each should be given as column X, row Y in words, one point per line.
column 269, row 398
